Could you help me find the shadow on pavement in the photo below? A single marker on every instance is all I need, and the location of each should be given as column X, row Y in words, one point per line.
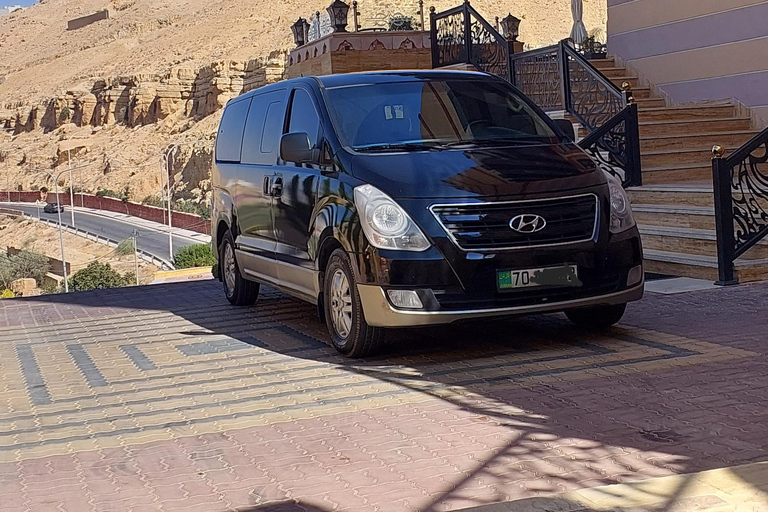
column 583, row 410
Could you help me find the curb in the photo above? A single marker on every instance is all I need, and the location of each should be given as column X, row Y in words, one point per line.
column 166, row 274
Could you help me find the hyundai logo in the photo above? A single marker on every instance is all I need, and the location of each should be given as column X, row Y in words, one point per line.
column 528, row 223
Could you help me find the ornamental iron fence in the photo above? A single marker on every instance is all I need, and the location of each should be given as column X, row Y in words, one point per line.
column 740, row 183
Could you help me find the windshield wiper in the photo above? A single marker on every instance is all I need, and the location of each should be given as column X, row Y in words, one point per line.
column 494, row 142
column 399, row 146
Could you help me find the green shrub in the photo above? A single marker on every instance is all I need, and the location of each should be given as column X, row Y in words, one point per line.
column 125, row 247
column 105, row 192
column 6, row 294
column 98, row 276
column 199, row 255
column 153, row 201
column 25, row 264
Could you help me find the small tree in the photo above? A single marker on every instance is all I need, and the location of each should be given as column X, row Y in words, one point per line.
column 7, row 294
column 199, row 255
column 25, row 264
column 98, row 276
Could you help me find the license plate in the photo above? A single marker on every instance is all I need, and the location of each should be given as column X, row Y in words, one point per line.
column 566, row 275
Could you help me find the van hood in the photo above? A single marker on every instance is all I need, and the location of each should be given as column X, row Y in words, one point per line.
column 496, row 172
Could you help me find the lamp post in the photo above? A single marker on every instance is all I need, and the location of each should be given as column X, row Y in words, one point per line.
column 300, row 30
column 510, row 26
column 55, row 179
column 338, row 11
column 166, row 159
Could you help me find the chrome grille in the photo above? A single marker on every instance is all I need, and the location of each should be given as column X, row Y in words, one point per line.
column 485, row 226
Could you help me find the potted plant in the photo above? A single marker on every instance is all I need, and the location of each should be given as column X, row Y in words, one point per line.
column 591, row 48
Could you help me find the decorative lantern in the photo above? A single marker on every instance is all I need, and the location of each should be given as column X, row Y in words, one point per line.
column 510, row 26
column 300, row 30
column 338, row 12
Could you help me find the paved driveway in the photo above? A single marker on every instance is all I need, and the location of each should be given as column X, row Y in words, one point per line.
column 166, row 398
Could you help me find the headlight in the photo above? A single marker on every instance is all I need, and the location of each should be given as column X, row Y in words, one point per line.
column 621, row 212
column 385, row 223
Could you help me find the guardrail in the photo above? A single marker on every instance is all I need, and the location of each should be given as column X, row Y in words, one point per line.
column 148, row 257
column 740, row 183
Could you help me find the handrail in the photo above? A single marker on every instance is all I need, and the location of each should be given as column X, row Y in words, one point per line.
column 740, row 183
column 612, row 150
column 488, row 50
column 556, row 78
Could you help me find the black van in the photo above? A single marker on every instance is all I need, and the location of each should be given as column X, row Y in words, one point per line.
column 403, row 199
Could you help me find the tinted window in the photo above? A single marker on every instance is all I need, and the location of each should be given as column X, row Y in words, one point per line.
column 263, row 129
column 273, row 127
column 304, row 117
column 230, row 137
column 434, row 112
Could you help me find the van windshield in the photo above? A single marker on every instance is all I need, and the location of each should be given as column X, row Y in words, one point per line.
column 432, row 114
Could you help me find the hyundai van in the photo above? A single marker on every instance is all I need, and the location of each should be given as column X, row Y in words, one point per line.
column 405, row 199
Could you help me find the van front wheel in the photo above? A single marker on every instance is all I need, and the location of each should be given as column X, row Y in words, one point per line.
column 350, row 334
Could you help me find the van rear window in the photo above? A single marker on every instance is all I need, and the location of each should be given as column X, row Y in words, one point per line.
column 434, row 112
column 229, row 141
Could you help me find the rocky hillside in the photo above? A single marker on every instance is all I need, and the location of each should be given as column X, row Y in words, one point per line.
column 118, row 91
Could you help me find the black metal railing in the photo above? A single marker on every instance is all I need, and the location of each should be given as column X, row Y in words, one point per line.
column 462, row 36
column 741, row 202
column 615, row 146
column 556, row 78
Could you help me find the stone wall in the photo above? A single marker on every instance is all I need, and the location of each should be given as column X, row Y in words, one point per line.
column 145, row 99
column 84, row 21
column 349, row 52
column 110, row 204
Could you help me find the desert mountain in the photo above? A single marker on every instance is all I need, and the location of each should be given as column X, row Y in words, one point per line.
column 148, row 46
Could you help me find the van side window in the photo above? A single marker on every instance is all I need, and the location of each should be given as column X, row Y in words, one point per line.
column 273, row 123
column 229, row 140
column 304, row 117
column 263, row 128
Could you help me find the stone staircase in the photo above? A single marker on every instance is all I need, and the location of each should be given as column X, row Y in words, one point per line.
column 675, row 206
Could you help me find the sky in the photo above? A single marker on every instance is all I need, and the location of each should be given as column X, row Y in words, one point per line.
column 25, row 3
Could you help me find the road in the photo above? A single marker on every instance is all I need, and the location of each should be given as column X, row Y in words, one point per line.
column 152, row 241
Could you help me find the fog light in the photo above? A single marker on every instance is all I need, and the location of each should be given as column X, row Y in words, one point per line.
column 407, row 299
column 635, row 275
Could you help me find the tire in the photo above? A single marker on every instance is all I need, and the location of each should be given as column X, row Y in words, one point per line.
column 349, row 332
column 238, row 290
column 597, row 317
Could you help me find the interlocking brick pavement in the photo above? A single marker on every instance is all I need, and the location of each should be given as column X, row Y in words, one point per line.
column 166, row 398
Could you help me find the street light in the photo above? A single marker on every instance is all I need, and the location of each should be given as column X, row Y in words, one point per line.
column 300, row 29
column 58, row 202
column 166, row 160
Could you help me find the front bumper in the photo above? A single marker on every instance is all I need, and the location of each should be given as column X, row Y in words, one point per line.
column 380, row 313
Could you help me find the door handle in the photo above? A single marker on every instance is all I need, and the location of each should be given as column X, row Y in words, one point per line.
column 277, row 185
column 265, row 186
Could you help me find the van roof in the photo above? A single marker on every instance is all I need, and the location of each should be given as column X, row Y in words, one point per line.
column 373, row 77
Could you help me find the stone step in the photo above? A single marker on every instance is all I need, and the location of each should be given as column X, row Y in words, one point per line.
column 674, row 194
column 691, row 127
column 703, row 141
column 700, row 267
column 613, row 71
column 677, row 173
column 672, row 157
column 686, row 113
column 608, row 62
column 691, row 241
column 650, row 103
column 676, row 216
column 640, row 93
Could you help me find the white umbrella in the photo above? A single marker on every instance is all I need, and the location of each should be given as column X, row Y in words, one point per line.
column 579, row 31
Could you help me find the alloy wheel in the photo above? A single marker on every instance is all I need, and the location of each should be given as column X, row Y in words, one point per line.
column 341, row 304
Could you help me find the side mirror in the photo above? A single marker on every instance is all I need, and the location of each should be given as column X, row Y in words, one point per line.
column 566, row 127
column 294, row 147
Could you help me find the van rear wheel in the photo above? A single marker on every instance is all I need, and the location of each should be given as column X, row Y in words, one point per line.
column 350, row 333
column 597, row 317
column 238, row 290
